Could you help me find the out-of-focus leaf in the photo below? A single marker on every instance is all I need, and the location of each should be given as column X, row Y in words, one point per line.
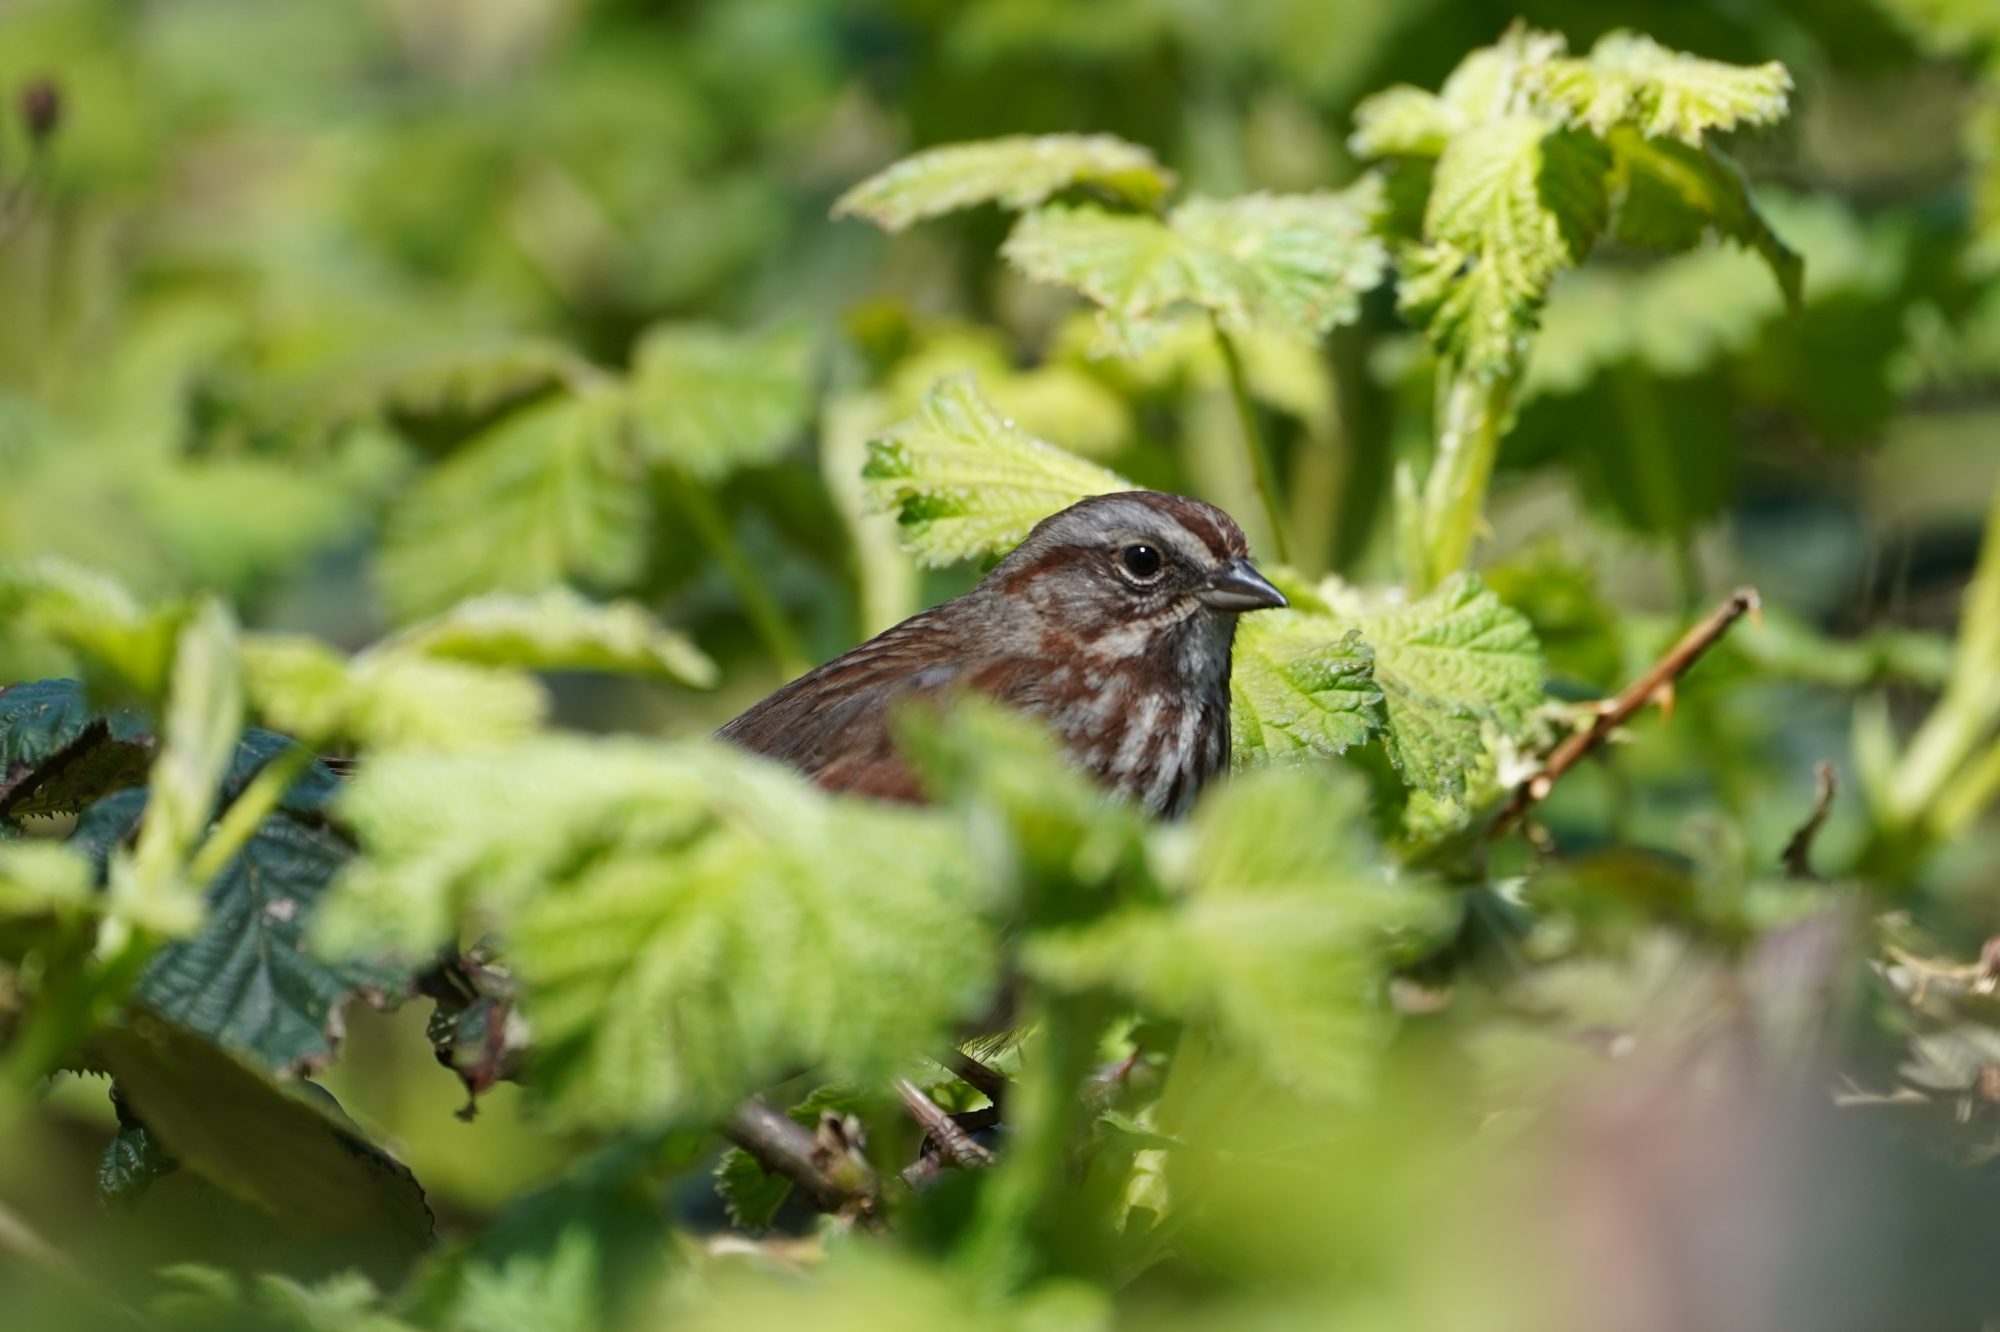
column 121, row 648
column 558, row 631
column 286, row 1151
column 387, row 696
column 964, row 481
column 862, row 1285
column 210, row 1298
column 1303, row 683
column 1631, row 79
column 549, row 495
column 204, row 716
column 1957, row 27
column 1982, row 136
column 1297, row 263
column 1278, row 941
column 712, row 401
column 43, row 879
column 1515, row 201
column 1447, row 666
column 1403, row 122
column 439, row 394
column 1016, row 172
column 58, row 753
column 581, row 1253
column 685, row 922
column 1054, row 400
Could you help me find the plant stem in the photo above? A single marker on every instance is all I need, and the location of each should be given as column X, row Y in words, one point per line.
column 765, row 616
column 239, row 823
column 1656, row 684
column 1261, row 466
column 1470, row 415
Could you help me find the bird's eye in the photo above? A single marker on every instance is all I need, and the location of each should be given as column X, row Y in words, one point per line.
column 1141, row 561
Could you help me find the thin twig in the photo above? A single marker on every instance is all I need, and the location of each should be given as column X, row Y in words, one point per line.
column 954, row 1145
column 826, row 1165
column 1797, row 855
column 1656, row 685
column 990, row 1083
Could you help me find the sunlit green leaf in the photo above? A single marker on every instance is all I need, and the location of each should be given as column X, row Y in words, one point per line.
column 387, row 696
column 1514, row 203
column 1302, row 683
column 712, row 401
column 549, row 495
column 204, row 715
column 1016, row 172
column 1447, row 666
column 558, row 631
column 1632, row 80
column 122, row 648
column 1278, row 939
column 965, row 481
column 685, row 922
column 1298, row 263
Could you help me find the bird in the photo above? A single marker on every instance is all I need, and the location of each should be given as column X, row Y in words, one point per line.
column 1112, row 622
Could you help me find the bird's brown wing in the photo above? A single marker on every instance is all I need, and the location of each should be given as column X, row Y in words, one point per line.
column 833, row 723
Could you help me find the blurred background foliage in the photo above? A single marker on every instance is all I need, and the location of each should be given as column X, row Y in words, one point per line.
column 347, row 311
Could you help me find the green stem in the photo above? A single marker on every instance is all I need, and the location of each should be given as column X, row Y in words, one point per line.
column 1261, row 466
column 765, row 615
column 1019, row 1230
column 1470, row 417
column 239, row 823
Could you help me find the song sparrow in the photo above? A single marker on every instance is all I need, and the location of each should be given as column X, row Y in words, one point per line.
column 1112, row 622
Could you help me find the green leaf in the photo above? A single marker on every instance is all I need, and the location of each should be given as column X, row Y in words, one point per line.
column 210, row 1298
column 964, row 481
column 713, row 401
column 204, row 715
column 1489, row 84
column 1278, row 938
column 685, row 922
column 43, row 879
column 385, row 697
column 286, row 1151
column 1629, row 79
column 558, row 631
column 58, row 752
column 582, row 1252
column 1952, row 27
column 1303, row 683
column 1403, row 122
column 1982, row 139
column 132, row 1160
column 1669, row 196
column 549, row 495
column 1515, row 201
column 440, row 394
column 1297, row 263
column 1448, row 666
column 122, row 649
column 246, row 979
column 1016, row 172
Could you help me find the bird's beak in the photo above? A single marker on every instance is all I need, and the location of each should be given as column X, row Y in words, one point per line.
column 1237, row 586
